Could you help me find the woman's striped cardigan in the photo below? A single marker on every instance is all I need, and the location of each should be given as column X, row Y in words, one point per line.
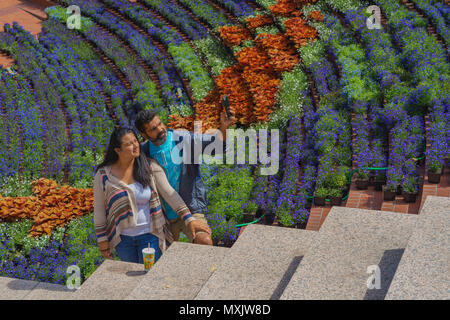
column 115, row 206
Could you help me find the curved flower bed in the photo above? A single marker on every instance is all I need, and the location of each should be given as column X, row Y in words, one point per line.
column 435, row 11
column 184, row 56
column 26, row 129
column 146, row 50
column 205, row 11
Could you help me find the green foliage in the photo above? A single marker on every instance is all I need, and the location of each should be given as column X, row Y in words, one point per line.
column 251, row 207
column 183, row 238
column 284, row 215
column 81, row 236
column 214, row 53
column 335, row 193
column 289, row 97
column 321, row 192
column 267, row 29
column 229, row 191
column 60, row 13
column 192, row 67
column 312, row 52
column 16, row 186
column 147, row 94
column 244, row 44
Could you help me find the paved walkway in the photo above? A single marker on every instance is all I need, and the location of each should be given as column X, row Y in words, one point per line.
column 24, row 12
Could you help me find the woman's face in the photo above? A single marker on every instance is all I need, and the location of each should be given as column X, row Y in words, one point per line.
column 129, row 148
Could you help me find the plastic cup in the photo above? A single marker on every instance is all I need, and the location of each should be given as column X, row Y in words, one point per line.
column 148, row 255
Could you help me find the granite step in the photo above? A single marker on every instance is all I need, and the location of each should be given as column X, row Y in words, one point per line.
column 113, row 280
column 180, row 272
column 259, row 264
column 423, row 272
column 341, row 262
column 18, row 289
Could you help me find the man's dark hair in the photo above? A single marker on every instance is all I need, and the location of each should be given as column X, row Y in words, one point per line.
column 143, row 117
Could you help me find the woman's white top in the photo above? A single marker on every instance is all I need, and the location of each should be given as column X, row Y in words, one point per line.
column 142, row 196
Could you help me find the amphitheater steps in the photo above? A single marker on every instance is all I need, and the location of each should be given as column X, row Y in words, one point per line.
column 259, row 264
column 180, row 273
column 423, row 270
column 350, row 241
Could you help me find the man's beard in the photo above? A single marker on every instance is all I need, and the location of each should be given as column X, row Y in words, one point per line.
column 160, row 139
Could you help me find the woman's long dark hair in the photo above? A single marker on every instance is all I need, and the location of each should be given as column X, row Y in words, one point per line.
column 141, row 168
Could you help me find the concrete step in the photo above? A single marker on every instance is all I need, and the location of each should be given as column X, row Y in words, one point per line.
column 17, row 289
column 423, row 272
column 113, row 280
column 180, row 272
column 351, row 241
column 259, row 265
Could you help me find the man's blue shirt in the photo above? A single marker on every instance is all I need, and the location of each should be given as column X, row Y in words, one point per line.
column 171, row 166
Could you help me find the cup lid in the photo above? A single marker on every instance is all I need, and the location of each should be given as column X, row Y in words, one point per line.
column 148, row 250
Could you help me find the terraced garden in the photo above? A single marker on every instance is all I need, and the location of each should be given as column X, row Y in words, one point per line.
column 363, row 114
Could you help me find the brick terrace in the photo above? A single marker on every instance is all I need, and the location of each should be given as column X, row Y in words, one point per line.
column 373, row 200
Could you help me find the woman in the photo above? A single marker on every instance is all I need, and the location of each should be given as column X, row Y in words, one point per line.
column 127, row 208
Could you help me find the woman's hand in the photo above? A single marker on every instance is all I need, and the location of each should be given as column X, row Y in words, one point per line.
column 196, row 226
column 105, row 250
column 107, row 254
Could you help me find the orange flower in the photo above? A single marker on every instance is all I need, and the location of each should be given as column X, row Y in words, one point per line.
column 282, row 56
column 316, row 15
column 299, row 32
column 258, row 21
column 233, row 35
column 49, row 207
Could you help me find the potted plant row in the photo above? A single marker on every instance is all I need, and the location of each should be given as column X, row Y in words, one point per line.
column 434, row 172
column 410, row 189
column 362, row 180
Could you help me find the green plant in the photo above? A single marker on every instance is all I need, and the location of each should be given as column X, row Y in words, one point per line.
column 321, row 192
column 435, row 167
column 284, row 216
column 251, row 207
column 335, row 193
column 362, row 174
column 380, row 176
column 16, row 186
column 410, row 185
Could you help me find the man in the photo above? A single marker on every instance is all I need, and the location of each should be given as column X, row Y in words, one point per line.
column 184, row 176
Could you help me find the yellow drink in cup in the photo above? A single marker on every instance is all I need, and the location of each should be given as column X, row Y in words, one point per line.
column 149, row 257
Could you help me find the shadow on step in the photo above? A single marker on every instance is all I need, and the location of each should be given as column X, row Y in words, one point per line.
column 286, row 278
column 388, row 266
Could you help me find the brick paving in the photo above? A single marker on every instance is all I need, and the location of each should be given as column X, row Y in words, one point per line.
column 317, row 216
column 365, row 199
column 373, row 200
column 442, row 189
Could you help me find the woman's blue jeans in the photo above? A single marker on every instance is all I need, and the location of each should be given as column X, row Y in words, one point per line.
column 130, row 248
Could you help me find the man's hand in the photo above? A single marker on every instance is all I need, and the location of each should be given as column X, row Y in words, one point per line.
column 225, row 123
column 197, row 225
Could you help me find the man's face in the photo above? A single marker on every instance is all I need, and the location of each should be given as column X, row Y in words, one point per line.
column 155, row 131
